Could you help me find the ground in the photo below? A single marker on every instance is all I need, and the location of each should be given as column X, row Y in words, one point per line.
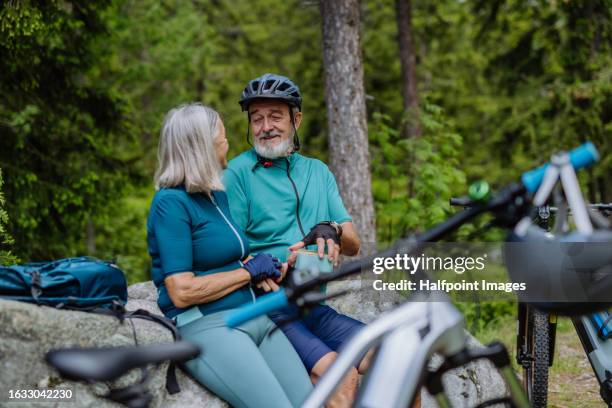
column 572, row 382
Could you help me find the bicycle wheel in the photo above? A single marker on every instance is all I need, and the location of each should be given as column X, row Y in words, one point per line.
column 537, row 347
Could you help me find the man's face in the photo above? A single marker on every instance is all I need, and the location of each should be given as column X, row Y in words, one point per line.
column 271, row 127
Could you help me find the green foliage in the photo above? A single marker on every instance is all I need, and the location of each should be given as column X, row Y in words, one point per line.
column 166, row 53
column 523, row 80
column 481, row 314
column 6, row 241
column 85, row 85
column 67, row 150
column 121, row 236
column 414, row 178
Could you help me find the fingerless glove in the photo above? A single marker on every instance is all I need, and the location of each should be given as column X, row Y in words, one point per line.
column 263, row 266
column 322, row 230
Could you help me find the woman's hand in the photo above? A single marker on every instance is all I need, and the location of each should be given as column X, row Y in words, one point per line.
column 263, row 266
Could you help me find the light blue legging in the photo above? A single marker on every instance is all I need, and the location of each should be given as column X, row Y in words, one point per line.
column 246, row 366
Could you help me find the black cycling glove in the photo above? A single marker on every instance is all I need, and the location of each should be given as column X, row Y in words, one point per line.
column 325, row 230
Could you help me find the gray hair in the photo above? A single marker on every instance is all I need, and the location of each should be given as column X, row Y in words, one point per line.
column 186, row 154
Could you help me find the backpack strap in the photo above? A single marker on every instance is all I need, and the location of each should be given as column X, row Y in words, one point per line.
column 164, row 321
column 116, row 309
column 172, row 385
column 36, row 288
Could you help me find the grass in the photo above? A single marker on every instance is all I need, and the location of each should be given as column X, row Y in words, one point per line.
column 572, row 382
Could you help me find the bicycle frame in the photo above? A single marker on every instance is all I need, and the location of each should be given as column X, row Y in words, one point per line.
column 406, row 338
column 598, row 352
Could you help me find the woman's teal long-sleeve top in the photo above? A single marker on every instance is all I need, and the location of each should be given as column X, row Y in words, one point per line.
column 194, row 233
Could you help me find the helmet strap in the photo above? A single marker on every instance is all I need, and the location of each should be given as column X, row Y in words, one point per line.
column 296, row 139
column 248, row 132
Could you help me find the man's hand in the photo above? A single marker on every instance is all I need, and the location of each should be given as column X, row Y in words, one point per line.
column 270, row 285
column 322, row 234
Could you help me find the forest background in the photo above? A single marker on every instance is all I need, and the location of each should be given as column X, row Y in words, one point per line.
column 497, row 87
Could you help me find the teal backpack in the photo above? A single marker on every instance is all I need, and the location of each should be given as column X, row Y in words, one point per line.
column 83, row 283
column 86, row 284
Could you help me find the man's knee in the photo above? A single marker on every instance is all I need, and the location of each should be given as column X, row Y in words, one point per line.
column 322, row 365
column 364, row 364
column 344, row 395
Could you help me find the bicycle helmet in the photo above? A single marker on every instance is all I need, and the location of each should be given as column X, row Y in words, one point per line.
column 271, row 86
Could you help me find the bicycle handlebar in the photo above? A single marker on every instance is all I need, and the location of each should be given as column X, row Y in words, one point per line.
column 580, row 157
column 460, row 201
column 264, row 304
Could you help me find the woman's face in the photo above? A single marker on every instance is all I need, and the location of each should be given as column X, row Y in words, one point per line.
column 221, row 144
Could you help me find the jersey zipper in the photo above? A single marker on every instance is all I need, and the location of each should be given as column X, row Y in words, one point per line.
column 297, row 197
column 212, row 198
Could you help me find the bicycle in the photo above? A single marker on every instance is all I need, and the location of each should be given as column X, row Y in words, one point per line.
column 536, row 329
column 536, row 336
column 537, row 322
column 409, row 329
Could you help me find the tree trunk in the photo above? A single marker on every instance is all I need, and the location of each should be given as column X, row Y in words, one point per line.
column 410, row 96
column 346, row 113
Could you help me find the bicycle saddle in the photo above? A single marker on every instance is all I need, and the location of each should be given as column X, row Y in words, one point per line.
column 569, row 275
column 107, row 364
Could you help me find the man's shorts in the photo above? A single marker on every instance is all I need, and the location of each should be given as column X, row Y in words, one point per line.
column 321, row 331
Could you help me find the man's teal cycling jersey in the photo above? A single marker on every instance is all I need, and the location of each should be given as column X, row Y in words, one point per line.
column 263, row 199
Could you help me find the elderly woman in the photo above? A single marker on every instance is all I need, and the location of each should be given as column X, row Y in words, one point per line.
column 201, row 269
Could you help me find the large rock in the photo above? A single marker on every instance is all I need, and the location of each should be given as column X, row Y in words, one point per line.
column 28, row 331
column 144, row 296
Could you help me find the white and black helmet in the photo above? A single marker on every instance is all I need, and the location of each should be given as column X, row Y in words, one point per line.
column 271, row 86
column 277, row 87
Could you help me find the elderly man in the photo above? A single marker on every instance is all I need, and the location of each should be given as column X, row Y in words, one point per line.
column 285, row 201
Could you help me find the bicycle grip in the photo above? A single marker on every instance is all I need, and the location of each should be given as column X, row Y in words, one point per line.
column 460, row 201
column 580, row 157
column 263, row 305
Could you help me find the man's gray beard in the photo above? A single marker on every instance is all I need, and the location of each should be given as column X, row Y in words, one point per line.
column 283, row 149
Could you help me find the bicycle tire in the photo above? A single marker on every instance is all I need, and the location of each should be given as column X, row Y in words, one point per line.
column 535, row 374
